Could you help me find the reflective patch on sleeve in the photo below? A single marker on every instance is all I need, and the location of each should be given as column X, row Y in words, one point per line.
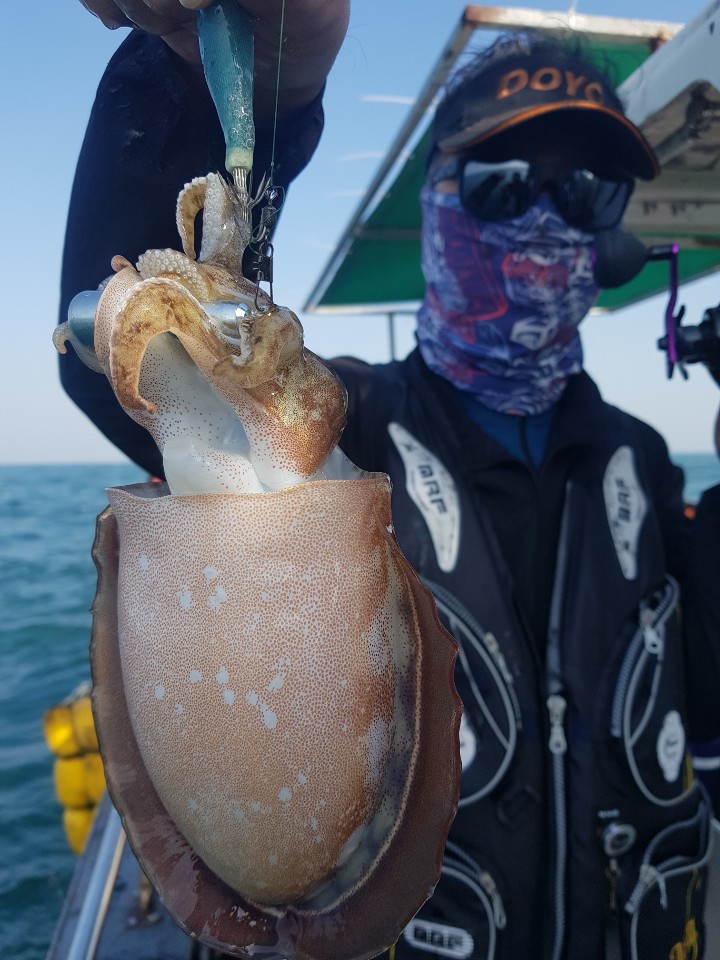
column 626, row 507
column 432, row 490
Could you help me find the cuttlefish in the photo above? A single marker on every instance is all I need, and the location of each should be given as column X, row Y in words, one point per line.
column 273, row 691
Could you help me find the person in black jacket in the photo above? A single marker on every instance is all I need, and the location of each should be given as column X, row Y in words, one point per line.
column 550, row 527
column 548, row 524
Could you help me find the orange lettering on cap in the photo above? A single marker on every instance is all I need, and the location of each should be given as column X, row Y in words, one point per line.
column 511, row 83
column 546, row 78
column 594, row 92
column 573, row 83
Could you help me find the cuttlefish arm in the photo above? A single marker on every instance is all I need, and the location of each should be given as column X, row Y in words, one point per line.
column 291, row 405
column 226, row 232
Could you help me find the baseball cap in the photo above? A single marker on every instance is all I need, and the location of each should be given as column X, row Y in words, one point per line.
column 534, row 86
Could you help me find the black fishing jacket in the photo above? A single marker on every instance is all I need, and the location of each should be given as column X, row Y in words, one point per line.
column 579, row 819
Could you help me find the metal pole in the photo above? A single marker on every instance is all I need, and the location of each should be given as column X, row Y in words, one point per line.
column 102, row 879
column 391, row 333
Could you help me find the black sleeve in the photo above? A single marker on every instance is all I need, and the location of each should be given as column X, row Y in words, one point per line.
column 149, row 133
column 702, row 619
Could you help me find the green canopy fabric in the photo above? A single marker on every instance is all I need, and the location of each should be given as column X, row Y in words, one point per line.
column 376, row 268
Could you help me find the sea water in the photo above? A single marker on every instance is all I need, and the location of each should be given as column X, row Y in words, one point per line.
column 47, row 583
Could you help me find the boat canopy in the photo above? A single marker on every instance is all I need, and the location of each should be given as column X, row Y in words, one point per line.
column 669, row 77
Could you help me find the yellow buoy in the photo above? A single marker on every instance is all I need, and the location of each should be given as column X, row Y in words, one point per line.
column 77, row 822
column 59, row 730
column 84, row 724
column 79, row 781
column 79, row 776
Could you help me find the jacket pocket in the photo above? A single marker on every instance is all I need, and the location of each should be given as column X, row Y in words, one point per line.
column 662, row 909
column 463, row 919
column 646, row 718
column 491, row 714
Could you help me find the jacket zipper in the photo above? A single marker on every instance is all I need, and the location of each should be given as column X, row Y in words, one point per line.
column 650, row 635
column 485, row 880
column 557, row 742
column 651, row 873
column 488, row 649
column 492, row 647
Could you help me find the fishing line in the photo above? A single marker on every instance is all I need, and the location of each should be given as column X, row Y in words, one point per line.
column 277, row 91
column 264, row 251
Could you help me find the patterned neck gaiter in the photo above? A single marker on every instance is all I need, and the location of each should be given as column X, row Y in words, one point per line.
column 503, row 302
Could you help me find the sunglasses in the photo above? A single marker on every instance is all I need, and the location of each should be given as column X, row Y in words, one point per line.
column 502, row 191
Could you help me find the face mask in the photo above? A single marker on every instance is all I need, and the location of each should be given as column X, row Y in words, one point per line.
column 503, row 302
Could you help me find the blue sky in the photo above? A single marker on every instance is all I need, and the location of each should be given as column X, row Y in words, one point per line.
column 52, row 54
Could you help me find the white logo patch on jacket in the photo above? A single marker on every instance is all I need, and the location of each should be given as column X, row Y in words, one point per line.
column 439, row 938
column 671, row 746
column 433, row 491
column 626, row 507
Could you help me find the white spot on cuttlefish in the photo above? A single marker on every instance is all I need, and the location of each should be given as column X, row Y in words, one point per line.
column 229, row 697
column 179, row 709
column 222, row 676
column 143, row 562
column 159, row 691
column 269, row 718
column 301, row 778
column 195, row 676
column 273, row 859
column 285, row 794
column 192, row 805
column 217, row 598
column 211, row 573
column 185, row 598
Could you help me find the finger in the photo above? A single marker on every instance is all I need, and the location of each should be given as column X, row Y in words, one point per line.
column 107, row 12
column 144, row 15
